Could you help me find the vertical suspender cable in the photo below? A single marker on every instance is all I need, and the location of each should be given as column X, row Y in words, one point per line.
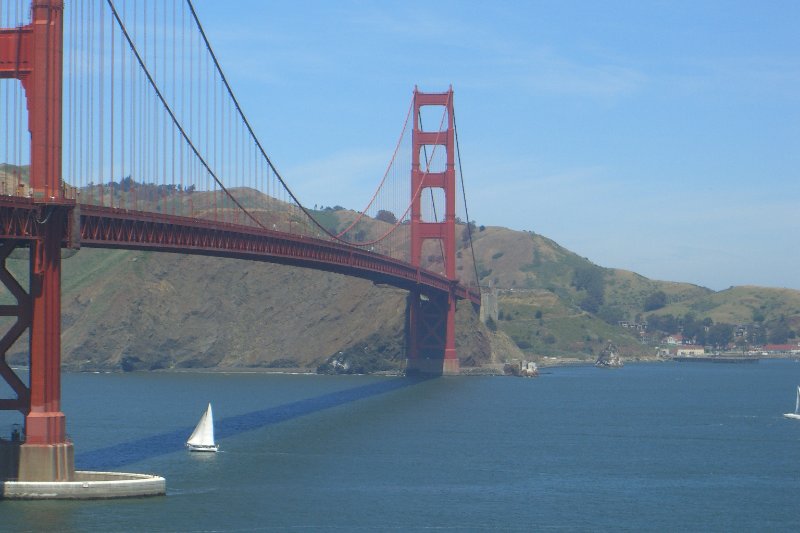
column 169, row 110
column 93, row 113
column 135, row 160
column 164, row 122
column 111, row 125
column 123, row 111
column 174, row 98
column 73, row 99
column 101, row 91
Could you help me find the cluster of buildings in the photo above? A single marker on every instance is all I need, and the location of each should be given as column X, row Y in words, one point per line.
column 676, row 346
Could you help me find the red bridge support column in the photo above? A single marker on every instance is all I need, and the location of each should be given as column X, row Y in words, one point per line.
column 47, row 455
column 34, row 54
column 431, row 318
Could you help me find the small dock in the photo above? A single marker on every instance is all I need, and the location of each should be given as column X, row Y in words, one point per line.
column 715, row 359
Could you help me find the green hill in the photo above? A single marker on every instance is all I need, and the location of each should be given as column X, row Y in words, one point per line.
column 553, row 302
column 125, row 310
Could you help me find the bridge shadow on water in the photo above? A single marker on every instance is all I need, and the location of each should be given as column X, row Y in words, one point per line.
column 133, row 451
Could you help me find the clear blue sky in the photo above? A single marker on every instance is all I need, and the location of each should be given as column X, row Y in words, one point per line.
column 661, row 137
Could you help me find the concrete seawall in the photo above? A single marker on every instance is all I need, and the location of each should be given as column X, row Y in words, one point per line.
column 86, row 486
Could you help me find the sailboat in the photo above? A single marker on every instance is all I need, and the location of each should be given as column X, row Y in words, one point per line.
column 202, row 438
column 796, row 414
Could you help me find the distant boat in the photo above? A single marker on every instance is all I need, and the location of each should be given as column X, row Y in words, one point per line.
column 796, row 414
column 202, row 438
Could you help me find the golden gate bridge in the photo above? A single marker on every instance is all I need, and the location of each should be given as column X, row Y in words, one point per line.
column 122, row 131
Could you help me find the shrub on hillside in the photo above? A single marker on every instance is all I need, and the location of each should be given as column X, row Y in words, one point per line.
column 657, row 300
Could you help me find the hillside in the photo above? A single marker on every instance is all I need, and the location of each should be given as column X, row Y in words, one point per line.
column 138, row 310
column 741, row 305
column 13, row 180
column 553, row 302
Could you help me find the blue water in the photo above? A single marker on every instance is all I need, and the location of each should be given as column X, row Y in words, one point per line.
column 658, row 447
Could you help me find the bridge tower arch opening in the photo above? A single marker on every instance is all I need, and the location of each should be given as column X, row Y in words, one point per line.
column 431, row 347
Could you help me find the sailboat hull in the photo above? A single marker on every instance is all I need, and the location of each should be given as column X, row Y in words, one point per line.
column 202, row 447
column 792, row 416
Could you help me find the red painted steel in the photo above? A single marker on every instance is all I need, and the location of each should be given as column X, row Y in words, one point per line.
column 33, row 54
column 22, row 312
column 108, row 227
column 105, row 227
column 45, row 423
column 18, row 219
column 432, row 323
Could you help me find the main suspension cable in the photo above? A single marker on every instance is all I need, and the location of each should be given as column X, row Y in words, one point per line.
column 363, row 213
column 466, row 211
column 250, row 128
column 263, row 152
column 172, row 114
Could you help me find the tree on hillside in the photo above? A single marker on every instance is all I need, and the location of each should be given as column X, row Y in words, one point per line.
column 386, row 216
column 657, row 300
column 663, row 323
column 780, row 332
column 588, row 278
column 591, row 303
column 591, row 279
column 693, row 329
column 701, row 337
column 467, row 232
column 758, row 335
column 537, row 258
column 611, row 314
column 720, row 335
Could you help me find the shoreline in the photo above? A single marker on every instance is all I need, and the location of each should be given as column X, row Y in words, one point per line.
column 493, row 369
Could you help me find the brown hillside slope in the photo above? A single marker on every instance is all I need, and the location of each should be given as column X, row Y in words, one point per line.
column 140, row 310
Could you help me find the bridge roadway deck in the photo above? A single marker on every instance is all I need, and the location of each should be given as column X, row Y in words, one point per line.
column 106, row 227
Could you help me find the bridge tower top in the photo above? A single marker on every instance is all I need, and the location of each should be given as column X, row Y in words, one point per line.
column 422, row 179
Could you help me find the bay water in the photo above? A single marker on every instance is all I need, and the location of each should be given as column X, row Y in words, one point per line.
column 648, row 447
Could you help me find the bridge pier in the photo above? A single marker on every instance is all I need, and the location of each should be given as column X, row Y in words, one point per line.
column 46, row 462
column 431, row 345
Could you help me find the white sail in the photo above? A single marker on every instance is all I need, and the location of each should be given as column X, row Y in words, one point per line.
column 797, row 403
column 796, row 414
column 202, row 437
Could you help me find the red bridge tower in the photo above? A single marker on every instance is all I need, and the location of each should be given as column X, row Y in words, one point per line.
column 33, row 54
column 431, row 321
